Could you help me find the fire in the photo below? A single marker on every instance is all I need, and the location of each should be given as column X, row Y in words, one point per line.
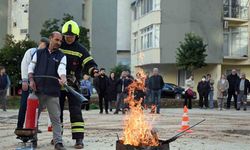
column 137, row 130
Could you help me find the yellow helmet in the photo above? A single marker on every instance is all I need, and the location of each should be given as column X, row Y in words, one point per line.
column 70, row 28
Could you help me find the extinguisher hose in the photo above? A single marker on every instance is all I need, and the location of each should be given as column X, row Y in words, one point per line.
column 77, row 95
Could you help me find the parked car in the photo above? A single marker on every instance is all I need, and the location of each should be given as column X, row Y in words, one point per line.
column 171, row 90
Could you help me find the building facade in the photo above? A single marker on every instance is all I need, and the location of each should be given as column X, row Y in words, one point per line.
column 109, row 24
column 26, row 17
column 159, row 25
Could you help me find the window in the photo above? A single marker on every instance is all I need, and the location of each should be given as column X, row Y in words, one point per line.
column 236, row 42
column 142, row 7
column 83, row 11
column 146, row 6
column 24, row 31
column 135, row 42
column 236, row 8
column 150, row 37
column 14, row 24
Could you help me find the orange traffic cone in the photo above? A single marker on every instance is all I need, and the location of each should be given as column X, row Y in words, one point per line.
column 49, row 125
column 185, row 121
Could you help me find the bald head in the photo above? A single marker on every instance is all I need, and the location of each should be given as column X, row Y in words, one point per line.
column 55, row 40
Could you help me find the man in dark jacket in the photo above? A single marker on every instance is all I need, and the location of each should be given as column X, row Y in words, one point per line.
column 203, row 89
column 101, row 85
column 242, row 89
column 4, row 85
column 232, row 79
column 156, row 84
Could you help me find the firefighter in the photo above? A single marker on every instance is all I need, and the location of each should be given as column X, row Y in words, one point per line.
column 79, row 62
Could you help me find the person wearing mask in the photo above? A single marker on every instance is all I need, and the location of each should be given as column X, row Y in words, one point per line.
column 112, row 93
column 101, row 85
column 86, row 90
column 44, row 42
column 242, row 90
column 189, row 94
column 79, row 62
column 122, row 92
column 203, row 89
column 232, row 79
column 4, row 85
column 211, row 92
column 156, row 84
column 222, row 87
column 50, row 62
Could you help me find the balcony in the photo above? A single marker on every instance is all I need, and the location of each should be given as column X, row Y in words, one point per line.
column 236, row 43
column 236, row 10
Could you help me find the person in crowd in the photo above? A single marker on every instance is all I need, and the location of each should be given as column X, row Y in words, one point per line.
column 203, row 89
column 147, row 92
column 101, row 85
column 44, row 42
column 156, row 84
column 242, row 90
column 122, row 91
column 189, row 93
column 48, row 90
column 112, row 93
column 86, row 90
column 4, row 85
column 222, row 87
column 232, row 79
column 211, row 92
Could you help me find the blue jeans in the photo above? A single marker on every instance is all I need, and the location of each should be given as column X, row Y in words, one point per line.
column 156, row 99
column 211, row 99
column 22, row 109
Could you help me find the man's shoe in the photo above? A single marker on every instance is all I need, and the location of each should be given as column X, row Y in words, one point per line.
column 52, row 142
column 59, row 146
column 79, row 144
column 116, row 112
column 101, row 112
column 34, row 143
column 245, row 109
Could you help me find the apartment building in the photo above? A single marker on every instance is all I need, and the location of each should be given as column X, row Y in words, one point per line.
column 159, row 25
column 24, row 18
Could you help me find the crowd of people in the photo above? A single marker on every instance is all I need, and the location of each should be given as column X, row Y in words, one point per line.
column 227, row 87
column 115, row 89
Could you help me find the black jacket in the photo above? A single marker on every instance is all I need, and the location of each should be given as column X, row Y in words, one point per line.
column 79, row 61
column 246, row 88
column 112, row 90
column 3, row 82
column 203, row 87
column 101, row 84
column 156, row 82
column 232, row 79
column 47, row 64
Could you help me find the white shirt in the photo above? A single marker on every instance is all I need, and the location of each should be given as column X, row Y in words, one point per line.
column 25, row 63
column 61, row 68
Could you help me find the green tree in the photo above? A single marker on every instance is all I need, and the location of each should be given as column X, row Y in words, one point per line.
column 11, row 55
column 119, row 68
column 52, row 25
column 191, row 54
column 49, row 26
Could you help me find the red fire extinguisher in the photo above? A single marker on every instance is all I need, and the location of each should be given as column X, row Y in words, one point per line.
column 32, row 112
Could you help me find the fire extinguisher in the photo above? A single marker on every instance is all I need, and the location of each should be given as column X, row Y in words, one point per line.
column 32, row 112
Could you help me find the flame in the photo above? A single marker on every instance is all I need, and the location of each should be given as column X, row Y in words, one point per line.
column 137, row 130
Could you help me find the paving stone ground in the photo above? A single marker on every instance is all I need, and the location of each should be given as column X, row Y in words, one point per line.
column 227, row 129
